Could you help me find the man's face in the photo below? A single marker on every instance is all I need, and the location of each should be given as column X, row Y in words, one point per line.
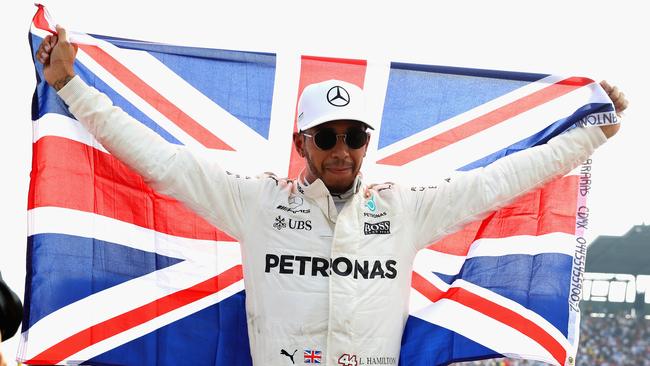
column 336, row 167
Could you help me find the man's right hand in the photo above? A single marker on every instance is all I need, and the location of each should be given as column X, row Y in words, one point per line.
column 57, row 56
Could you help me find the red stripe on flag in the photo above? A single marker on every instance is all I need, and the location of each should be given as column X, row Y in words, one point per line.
column 316, row 69
column 493, row 310
column 73, row 175
column 138, row 316
column 155, row 99
column 485, row 121
column 547, row 210
column 425, row 287
column 510, row 318
column 39, row 19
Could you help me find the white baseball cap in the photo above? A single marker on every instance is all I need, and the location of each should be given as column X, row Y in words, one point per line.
column 331, row 100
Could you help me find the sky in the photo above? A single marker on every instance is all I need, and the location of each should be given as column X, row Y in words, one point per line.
column 596, row 39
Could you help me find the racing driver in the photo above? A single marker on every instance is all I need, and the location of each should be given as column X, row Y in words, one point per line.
column 326, row 267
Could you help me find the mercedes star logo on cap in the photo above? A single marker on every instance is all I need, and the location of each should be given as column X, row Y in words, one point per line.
column 338, row 97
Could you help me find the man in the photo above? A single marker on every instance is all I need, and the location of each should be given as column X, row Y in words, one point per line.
column 326, row 268
column 11, row 314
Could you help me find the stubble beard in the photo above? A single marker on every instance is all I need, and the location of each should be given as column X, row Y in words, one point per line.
column 318, row 174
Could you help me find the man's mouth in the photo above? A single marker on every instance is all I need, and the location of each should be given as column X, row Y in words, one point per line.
column 339, row 169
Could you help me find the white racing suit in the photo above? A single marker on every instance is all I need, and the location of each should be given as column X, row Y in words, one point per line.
column 315, row 278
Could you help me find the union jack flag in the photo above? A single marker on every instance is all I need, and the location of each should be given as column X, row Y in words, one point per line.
column 312, row 356
column 119, row 274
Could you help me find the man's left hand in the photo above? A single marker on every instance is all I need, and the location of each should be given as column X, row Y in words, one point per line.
column 620, row 104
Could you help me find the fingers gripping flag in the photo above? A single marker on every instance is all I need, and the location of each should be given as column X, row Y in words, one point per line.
column 120, row 274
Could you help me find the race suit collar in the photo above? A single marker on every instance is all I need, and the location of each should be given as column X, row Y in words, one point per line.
column 318, row 192
column 317, row 188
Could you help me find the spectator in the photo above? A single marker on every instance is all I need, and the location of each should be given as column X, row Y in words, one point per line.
column 614, row 340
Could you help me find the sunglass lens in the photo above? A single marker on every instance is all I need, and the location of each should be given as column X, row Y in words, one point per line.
column 356, row 138
column 325, row 138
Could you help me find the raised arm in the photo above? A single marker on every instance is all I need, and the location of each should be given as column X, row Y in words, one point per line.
column 175, row 170
column 468, row 196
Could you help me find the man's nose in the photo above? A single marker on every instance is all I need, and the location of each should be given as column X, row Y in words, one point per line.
column 341, row 149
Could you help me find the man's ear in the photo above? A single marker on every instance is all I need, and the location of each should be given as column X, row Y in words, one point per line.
column 299, row 143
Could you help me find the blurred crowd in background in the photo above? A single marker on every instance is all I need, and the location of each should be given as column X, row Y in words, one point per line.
column 611, row 340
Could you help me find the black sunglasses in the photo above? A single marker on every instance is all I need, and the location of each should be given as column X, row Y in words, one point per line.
column 326, row 138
